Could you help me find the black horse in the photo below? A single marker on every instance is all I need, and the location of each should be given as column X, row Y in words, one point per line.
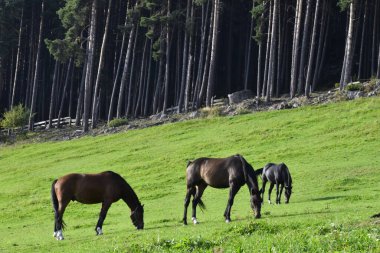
column 232, row 172
column 277, row 174
column 106, row 188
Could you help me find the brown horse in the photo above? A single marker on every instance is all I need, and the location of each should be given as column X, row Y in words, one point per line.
column 232, row 172
column 106, row 188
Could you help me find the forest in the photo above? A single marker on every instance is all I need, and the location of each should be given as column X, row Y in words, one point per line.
column 97, row 60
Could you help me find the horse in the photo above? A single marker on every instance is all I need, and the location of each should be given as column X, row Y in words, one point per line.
column 231, row 172
column 106, row 188
column 277, row 174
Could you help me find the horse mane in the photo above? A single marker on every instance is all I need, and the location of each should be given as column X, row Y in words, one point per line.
column 248, row 173
column 129, row 192
column 289, row 181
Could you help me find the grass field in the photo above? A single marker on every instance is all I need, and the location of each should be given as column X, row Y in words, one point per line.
column 332, row 152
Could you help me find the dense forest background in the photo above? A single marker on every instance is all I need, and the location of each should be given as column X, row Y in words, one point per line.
column 106, row 59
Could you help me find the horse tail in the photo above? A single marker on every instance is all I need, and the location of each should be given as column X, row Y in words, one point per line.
column 54, row 200
column 259, row 171
column 201, row 205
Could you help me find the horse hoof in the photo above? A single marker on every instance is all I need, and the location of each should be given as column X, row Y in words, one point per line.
column 58, row 235
column 228, row 220
column 55, row 234
column 194, row 220
column 99, row 231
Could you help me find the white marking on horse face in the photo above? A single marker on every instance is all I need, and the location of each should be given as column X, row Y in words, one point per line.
column 59, row 235
column 194, row 220
column 99, row 231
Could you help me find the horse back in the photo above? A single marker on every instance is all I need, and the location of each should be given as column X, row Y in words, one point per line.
column 89, row 188
column 216, row 172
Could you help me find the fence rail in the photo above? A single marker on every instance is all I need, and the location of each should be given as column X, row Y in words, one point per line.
column 43, row 124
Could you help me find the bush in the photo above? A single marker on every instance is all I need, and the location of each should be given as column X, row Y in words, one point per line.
column 356, row 86
column 211, row 112
column 17, row 117
column 118, row 122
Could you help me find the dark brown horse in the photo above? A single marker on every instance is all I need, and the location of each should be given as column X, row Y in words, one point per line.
column 106, row 188
column 279, row 175
column 232, row 172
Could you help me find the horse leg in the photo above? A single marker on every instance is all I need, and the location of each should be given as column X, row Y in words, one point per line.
column 270, row 191
column 197, row 197
column 190, row 191
column 277, row 193
column 279, row 196
column 59, row 224
column 263, row 190
column 233, row 190
column 102, row 217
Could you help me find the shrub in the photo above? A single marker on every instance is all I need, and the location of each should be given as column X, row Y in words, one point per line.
column 211, row 112
column 16, row 117
column 356, row 86
column 118, row 122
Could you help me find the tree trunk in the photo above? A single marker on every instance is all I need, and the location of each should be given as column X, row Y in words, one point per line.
column 101, row 65
column 272, row 57
column 69, row 67
column 259, row 58
column 36, row 71
column 214, row 46
column 184, row 60
column 190, row 61
column 361, row 54
column 17, row 59
column 207, row 63
column 156, row 98
column 90, row 63
column 52, row 95
column 132, row 73
column 248, row 62
column 378, row 68
column 374, row 34
column 201, row 55
column 312, row 50
column 79, row 109
column 143, row 73
column 321, row 44
column 145, row 112
column 125, row 71
column 267, row 51
column 296, row 41
column 349, row 47
column 305, row 42
column 112, row 99
column 167, row 68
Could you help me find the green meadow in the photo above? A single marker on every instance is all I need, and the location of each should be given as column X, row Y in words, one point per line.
column 332, row 151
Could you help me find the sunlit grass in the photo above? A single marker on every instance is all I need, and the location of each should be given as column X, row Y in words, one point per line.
column 332, row 152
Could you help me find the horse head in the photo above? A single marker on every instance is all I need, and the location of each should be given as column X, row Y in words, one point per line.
column 137, row 217
column 288, row 192
column 256, row 202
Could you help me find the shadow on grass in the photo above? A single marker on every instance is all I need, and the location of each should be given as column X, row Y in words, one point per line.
column 327, row 198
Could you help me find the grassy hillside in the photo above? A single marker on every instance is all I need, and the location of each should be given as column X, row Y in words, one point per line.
column 332, row 152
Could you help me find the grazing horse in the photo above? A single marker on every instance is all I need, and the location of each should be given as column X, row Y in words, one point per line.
column 277, row 174
column 232, row 172
column 106, row 187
